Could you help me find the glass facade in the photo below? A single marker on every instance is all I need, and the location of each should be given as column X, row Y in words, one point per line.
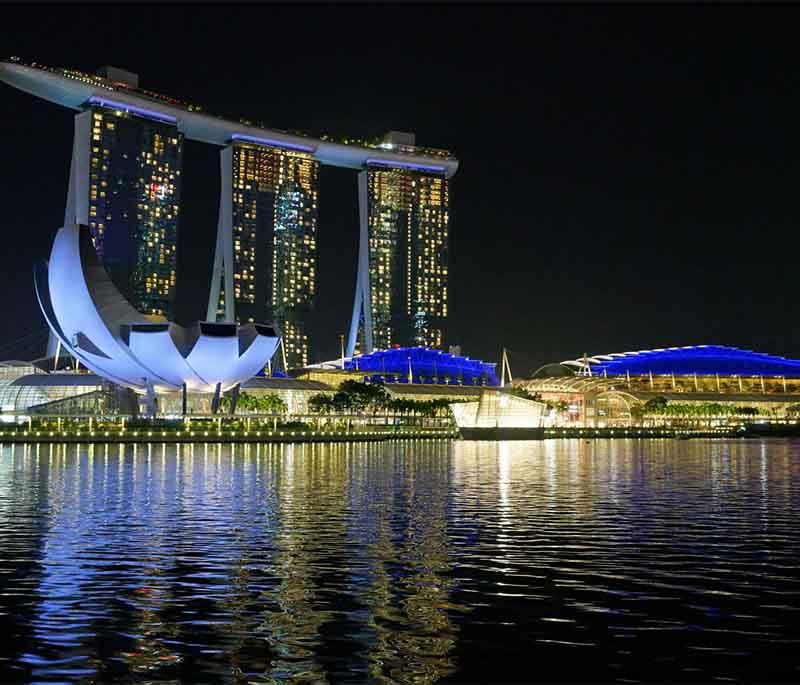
column 134, row 198
column 408, row 241
column 274, row 228
column 53, row 397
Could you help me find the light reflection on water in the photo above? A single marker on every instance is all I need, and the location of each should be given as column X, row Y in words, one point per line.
column 406, row 562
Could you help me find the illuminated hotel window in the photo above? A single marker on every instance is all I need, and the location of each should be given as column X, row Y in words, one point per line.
column 408, row 256
column 274, row 227
column 131, row 158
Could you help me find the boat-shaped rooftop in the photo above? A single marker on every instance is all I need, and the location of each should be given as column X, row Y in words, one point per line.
column 77, row 90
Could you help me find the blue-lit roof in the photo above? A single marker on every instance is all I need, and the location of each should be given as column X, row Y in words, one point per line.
column 427, row 366
column 694, row 359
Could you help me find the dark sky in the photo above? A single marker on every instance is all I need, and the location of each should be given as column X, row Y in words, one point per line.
column 629, row 175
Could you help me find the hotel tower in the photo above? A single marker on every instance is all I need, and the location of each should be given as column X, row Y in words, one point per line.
column 402, row 284
column 268, row 229
column 125, row 181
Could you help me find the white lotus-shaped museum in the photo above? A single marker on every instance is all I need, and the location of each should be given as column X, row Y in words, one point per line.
column 93, row 320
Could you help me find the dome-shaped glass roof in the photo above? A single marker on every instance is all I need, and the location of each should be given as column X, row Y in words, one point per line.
column 699, row 359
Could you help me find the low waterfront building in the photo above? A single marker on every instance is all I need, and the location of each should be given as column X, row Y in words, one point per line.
column 328, row 374
column 26, row 390
column 407, row 365
column 86, row 394
column 693, row 383
column 498, row 409
column 77, row 394
column 293, row 391
column 426, row 392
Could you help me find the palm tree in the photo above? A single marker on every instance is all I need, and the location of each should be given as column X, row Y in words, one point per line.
column 273, row 404
column 320, row 404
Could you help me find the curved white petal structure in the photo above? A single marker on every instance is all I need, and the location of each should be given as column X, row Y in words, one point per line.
column 86, row 311
column 155, row 343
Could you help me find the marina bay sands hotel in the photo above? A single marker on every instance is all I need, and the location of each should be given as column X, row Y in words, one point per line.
column 125, row 185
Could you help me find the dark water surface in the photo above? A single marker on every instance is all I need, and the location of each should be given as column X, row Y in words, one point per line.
column 410, row 562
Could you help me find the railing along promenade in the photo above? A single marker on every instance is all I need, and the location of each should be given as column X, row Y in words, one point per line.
column 226, row 429
column 289, row 428
column 91, row 432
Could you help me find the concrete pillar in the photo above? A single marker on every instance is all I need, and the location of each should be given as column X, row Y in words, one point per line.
column 362, row 304
column 223, row 253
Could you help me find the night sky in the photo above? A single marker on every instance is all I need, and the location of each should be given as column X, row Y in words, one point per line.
column 628, row 174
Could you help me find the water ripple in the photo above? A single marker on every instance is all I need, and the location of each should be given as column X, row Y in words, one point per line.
column 418, row 562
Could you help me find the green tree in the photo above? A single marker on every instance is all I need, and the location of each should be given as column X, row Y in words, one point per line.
column 272, row 403
column 656, row 405
column 320, row 404
column 361, row 396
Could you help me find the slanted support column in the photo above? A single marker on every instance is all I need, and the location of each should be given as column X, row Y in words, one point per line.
column 223, row 254
column 234, row 396
column 215, row 399
column 57, row 350
column 76, row 210
column 151, row 398
column 362, row 305
column 355, row 321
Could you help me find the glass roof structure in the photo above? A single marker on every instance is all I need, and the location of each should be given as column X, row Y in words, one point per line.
column 48, row 391
column 423, row 365
column 694, row 359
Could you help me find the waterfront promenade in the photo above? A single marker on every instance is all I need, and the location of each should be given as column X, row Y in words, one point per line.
column 378, row 434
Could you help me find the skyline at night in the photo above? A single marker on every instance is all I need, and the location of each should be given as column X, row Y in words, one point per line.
column 626, row 178
column 399, row 343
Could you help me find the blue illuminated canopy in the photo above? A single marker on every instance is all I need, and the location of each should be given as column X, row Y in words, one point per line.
column 706, row 360
column 425, row 366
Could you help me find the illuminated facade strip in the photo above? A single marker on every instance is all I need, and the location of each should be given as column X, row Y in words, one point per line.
column 436, row 169
column 131, row 109
column 272, row 143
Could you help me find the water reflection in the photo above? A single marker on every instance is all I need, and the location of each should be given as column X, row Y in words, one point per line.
column 402, row 563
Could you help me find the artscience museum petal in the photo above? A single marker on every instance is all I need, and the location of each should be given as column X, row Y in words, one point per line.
column 99, row 327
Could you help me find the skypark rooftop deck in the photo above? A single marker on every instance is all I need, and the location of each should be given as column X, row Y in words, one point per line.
column 76, row 89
